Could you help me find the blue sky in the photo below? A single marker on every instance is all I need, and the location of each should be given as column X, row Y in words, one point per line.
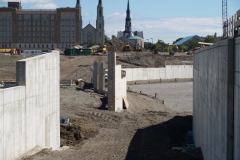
column 159, row 19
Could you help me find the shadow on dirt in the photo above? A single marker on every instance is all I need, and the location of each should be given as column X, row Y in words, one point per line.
column 156, row 142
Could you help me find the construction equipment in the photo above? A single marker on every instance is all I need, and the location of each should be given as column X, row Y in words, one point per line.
column 225, row 18
column 137, row 48
column 126, row 48
column 171, row 53
column 12, row 51
column 102, row 49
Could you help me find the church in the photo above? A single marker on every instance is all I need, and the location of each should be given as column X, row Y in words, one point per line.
column 132, row 36
column 91, row 34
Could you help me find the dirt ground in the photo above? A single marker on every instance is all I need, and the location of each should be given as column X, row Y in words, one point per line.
column 147, row 130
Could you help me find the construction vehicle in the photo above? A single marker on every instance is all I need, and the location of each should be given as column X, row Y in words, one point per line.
column 12, row 51
column 102, row 49
column 137, row 48
column 172, row 53
column 126, row 48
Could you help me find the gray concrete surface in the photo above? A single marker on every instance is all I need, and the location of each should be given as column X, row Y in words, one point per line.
column 213, row 100
column 30, row 112
column 237, row 101
column 177, row 96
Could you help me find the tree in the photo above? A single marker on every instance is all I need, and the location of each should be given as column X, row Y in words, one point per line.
column 177, row 40
column 113, row 36
column 210, row 39
column 106, row 38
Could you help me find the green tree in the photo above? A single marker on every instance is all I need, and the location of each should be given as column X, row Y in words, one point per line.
column 106, row 38
column 177, row 40
column 210, row 39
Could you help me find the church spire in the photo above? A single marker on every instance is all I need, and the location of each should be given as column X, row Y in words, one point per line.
column 78, row 4
column 128, row 24
column 100, row 3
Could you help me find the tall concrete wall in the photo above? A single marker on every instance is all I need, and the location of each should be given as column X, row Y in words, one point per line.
column 237, row 101
column 169, row 72
column 29, row 112
column 213, row 100
column 117, row 84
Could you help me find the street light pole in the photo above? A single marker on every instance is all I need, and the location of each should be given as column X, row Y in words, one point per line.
column 152, row 40
column 148, row 43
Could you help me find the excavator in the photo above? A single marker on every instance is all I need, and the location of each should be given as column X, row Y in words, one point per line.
column 126, row 48
column 102, row 49
column 137, row 48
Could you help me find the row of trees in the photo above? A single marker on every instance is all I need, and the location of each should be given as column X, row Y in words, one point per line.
column 165, row 47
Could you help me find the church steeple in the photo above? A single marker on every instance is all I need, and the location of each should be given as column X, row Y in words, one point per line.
column 128, row 24
column 78, row 4
column 100, row 3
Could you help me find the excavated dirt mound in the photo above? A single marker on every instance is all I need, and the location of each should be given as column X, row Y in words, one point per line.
column 155, row 60
column 115, row 45
column 77, row 131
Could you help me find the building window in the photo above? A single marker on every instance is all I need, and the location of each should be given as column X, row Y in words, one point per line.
column 42, row 39
column 19, row 16
column 42, row 33
column 25, row 23
column 20, row 45
column 38, row 34
column 25, row 34
column 47, row 28
column 29, row 39
column 100, row 26
column 25, row 28
column 52, row 29
column 33, row 28
column 29, row 45
column 89, row 37
column 25, row 46
column 29, row 23
column 100, row 34
column 38, row 45
column 52, row 17
column 34, row 23
column 29, row 33
column 52, row 34
column 42, row 22
column 52, row 40
column 38, row 23
column 29, row 28
column 38, row 28
column 100, row 13
column 33, row 34
column 52, row 23
column 20, row 39
column 33, row 40
column 42, row 28
column 20, row 22
column 46, row 33
column 52, row 46
column 43, row 46
column 38, row 40
column 34, row 46
column 47, row 23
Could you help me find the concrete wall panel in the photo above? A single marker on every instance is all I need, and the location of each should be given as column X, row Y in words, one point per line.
column 213, row 97
column 25, row 109
column 237, row 101
column 170, row 72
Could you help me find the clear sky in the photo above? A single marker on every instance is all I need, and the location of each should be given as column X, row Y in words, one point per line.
column 166, row 20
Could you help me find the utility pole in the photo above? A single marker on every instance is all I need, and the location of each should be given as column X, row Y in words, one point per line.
column 225, row 18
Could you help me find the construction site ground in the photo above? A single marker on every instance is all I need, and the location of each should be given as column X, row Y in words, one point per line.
column 146, row 131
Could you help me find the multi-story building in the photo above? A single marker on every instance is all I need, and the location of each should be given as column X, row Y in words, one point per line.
column 45, row 29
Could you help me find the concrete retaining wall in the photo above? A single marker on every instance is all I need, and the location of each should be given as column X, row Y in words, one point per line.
column 213, row 100
column 170, row 72
column 29, row 112
column 237, row 101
